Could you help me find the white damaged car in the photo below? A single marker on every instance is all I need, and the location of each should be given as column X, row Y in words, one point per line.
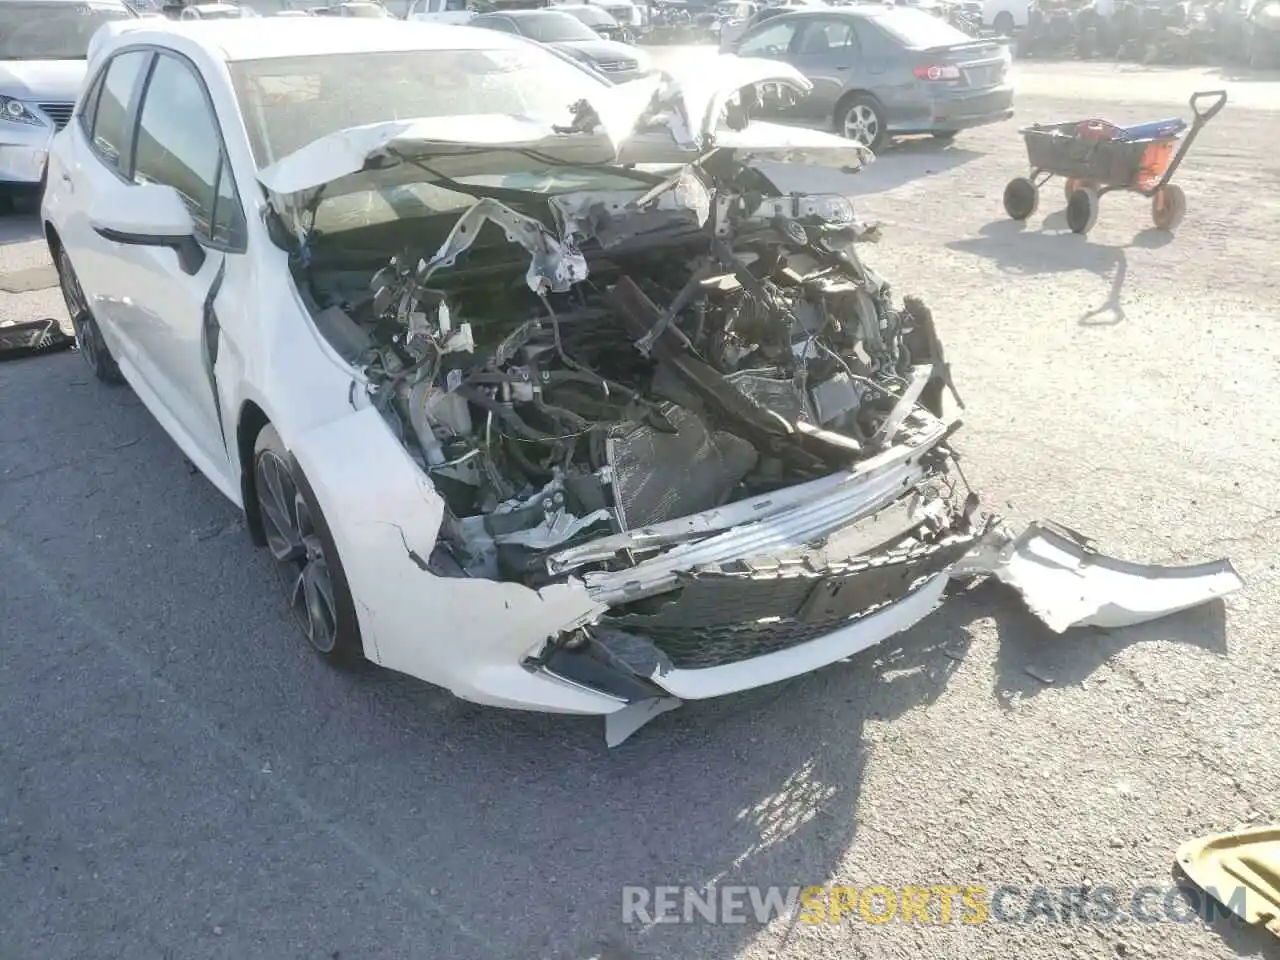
column 535, row 387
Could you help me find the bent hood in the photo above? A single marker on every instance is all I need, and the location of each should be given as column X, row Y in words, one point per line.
column 651, row 120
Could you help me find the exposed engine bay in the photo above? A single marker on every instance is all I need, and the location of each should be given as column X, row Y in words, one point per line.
column 645, row 355
column 680, row 432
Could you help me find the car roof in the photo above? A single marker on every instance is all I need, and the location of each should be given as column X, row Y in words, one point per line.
column 262, row 38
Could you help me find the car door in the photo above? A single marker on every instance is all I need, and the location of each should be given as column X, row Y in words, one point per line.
column 179, row 144
column 827, row 53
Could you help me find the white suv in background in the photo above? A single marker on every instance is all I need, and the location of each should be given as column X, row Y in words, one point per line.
column 43, row 49
column 1005, row 16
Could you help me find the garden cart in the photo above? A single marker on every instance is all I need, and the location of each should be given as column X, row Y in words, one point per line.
column 1095, row 157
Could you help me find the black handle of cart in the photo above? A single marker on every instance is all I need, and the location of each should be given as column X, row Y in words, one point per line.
column 1202, row 118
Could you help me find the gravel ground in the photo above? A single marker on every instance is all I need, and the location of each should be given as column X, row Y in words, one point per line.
column 182, row 779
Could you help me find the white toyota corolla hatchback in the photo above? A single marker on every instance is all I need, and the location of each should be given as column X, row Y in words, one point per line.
column 536, row 387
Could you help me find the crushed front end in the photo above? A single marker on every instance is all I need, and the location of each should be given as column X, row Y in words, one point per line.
column 684, row 397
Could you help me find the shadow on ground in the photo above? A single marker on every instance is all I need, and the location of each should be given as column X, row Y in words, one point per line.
column 1244, row 939
column 1031, row 658
column 515, row 832
column 1020, row 249
column 1234, row 72
column 21, row 226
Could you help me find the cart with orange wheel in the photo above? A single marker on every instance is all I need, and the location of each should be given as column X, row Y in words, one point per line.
column 1094, row 158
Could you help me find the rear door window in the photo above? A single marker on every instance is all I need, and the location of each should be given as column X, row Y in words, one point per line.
column 771, row 40
column 828, row 38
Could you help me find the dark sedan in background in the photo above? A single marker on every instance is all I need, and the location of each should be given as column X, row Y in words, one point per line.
column 882, row 71
column 616, row 61
column 598, row 19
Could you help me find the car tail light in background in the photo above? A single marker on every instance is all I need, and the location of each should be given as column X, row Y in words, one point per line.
column 938, row 72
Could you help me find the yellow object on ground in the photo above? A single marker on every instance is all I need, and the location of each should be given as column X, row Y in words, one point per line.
column 1224, row 863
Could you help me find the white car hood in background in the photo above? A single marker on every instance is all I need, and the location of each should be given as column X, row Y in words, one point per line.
column 42, row 81
column 473, row 145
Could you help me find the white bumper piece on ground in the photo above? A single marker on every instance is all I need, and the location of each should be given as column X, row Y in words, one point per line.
column 1062, row 579
column 1066, row 583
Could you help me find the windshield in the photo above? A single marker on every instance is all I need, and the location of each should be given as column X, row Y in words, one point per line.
column 290, row 101
column 554, row 27
column 31, row 30
column 593, row 16
column 915, row 28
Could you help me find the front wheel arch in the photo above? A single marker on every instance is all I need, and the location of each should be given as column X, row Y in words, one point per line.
column 248, row 425
column 51, row 240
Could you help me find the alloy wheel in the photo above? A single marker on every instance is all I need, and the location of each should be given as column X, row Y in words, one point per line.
column 296, row 545
column 78, row 310
column 861, row 124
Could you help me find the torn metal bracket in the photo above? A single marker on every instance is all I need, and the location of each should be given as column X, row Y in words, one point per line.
column 682, row 300
column 920, row 377
column 554, row 266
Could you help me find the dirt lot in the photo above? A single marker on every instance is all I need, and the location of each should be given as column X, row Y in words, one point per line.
column 182, row 779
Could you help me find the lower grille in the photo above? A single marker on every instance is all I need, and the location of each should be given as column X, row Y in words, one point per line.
column 59, row 113
column 721, row 617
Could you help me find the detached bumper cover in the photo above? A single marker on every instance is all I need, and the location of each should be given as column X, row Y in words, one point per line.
column 1063, row 580
column 1066, row 583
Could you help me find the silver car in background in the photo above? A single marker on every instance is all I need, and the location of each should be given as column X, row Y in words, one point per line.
column 611, row 59
column 881, row 71
column 43, row 46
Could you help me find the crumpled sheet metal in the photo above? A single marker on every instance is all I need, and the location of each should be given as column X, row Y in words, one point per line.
column 554, row 266
column 1240, row 870
column 1066, row 583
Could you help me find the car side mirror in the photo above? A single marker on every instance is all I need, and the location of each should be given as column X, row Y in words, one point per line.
column 149, row 215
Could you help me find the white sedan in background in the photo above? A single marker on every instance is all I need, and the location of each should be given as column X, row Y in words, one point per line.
column 532, row 385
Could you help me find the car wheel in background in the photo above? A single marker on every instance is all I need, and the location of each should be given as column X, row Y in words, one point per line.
column 860, row 118
column 298, row 537
column 1003, row 24
column 88, row 337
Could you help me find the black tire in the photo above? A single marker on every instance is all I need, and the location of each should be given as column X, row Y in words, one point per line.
column 1021, row 198
column 861, row 118
column 300, row 542
column 1168, row 207
column 89, row 340
column 1082, row 210
column 1003, row 24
